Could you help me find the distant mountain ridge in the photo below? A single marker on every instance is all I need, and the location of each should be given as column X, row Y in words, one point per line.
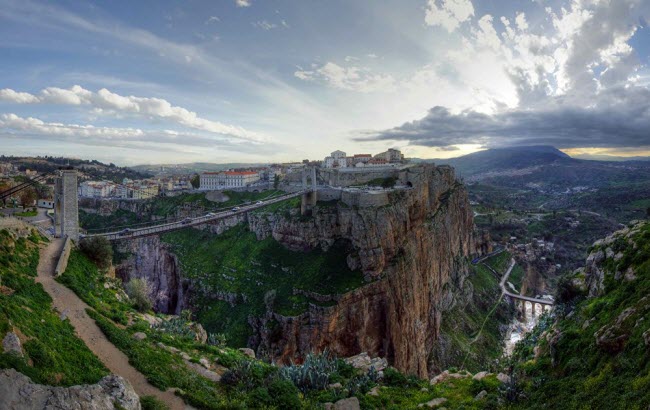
column 499, row 159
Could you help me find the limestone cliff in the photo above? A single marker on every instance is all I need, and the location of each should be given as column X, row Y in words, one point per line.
column 414, row 251
column 153, row 261
column 412, row 245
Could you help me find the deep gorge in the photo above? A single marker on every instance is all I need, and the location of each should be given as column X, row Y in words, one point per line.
column 382, row 278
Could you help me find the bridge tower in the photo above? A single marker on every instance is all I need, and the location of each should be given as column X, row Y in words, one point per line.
column 66, row 206
column 309, row 198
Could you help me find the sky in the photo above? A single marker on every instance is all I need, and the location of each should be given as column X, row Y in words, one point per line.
column 158, row 81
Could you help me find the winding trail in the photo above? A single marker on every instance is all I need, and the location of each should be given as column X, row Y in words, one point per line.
column 65, row 300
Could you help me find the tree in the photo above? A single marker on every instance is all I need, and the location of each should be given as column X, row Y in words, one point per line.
column 647, row 211
column 138, row 291
column 27, row 197
column 195, row 181
column 99, row 250
column 276, row 182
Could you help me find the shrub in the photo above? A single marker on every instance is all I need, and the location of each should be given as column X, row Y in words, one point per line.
column 98, row 249
column 138, row 291
column 217, row 339
column 152, row 403
column 246, row 375
column 567, row 292
column 284, row 394
column 392, row 377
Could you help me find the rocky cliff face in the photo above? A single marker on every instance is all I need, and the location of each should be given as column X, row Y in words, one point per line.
column 414, row 253
column 112, row 392
column 153, row 261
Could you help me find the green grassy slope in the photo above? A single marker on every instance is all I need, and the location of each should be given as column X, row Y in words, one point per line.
column 53, row 353
column 259, row 273
column 575, row 369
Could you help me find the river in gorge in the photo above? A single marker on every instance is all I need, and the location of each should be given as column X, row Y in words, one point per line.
column 521, row 325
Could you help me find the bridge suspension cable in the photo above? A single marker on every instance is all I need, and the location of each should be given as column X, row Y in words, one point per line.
column 30, row 182
column 198, row 208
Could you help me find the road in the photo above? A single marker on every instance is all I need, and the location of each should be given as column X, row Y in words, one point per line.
column 506, row 292
column 172, row 226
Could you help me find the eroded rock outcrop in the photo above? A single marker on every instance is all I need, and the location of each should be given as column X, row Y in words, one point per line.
column 414, row 251
column 151, row 259
column 17, row 392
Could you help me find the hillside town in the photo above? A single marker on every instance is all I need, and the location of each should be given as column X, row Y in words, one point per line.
column 171, row 184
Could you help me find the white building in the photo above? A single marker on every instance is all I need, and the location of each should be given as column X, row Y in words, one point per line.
column 392, row 155
column 227, row 179
column 45, row 203
column 96, row 189
column 338, row 159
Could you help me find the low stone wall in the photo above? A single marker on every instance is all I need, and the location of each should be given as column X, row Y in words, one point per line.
column 329, row 194
column 62, row 264
column 365, row 199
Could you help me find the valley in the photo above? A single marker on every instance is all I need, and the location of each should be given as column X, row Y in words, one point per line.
column 404, row 303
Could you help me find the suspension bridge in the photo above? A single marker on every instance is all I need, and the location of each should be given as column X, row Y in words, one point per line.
column 66, row 208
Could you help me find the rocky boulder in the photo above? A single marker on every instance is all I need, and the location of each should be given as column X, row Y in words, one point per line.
column 11, row 344
column 112, row 392
column 364, row 362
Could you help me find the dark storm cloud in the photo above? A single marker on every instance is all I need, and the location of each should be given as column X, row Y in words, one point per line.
column 618, row 117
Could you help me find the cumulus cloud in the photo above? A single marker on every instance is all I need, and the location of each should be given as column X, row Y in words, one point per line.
column 12, row 125
column 351, row 78
column 617, row 117
column 574, row 82
column 20, row 98
column 243, row 3
column 108, row 102
column 448, row 14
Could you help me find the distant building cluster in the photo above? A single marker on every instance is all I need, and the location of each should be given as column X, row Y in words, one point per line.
column 339, row 159
column 129, row 189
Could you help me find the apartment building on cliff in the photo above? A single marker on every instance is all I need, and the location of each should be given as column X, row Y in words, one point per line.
column 227, row 179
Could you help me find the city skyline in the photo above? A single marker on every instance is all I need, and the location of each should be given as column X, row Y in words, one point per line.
column 253, row 81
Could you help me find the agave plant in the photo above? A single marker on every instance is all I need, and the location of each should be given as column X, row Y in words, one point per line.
column 176, row 326
column 313, row 374
column 216, row 339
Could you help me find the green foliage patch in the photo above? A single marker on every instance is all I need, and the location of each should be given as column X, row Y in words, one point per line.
column 94, row 288
column 264, row 272
column 53, row 353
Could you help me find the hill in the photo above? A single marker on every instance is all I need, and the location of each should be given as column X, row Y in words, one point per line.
column 544, row 178
column 500, row 159
column 594, row 353
column 92, row 169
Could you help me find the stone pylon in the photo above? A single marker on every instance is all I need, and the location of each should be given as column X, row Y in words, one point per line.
column 66, row 206
column 309, row 199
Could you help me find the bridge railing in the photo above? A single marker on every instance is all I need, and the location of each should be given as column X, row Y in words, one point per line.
column 198, row 213
column 188, row 222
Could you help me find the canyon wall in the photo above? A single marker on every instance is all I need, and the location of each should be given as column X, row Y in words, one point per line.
column 413, row 253
column 152, row 260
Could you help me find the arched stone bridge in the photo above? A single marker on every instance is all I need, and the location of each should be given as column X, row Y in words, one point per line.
column 543, row 304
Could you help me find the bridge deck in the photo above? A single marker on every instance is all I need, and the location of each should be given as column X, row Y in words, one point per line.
column 502, row 284
column 172, row 226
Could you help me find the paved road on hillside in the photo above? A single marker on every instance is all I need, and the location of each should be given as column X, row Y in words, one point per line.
column 506, row 292
column 65, row 300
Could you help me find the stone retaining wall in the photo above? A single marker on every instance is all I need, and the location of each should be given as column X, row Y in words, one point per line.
column 62, row 264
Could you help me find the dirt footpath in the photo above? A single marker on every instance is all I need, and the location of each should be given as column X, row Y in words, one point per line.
column 65, row 300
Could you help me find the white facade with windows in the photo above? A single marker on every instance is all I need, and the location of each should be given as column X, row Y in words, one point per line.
column 228, row 179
